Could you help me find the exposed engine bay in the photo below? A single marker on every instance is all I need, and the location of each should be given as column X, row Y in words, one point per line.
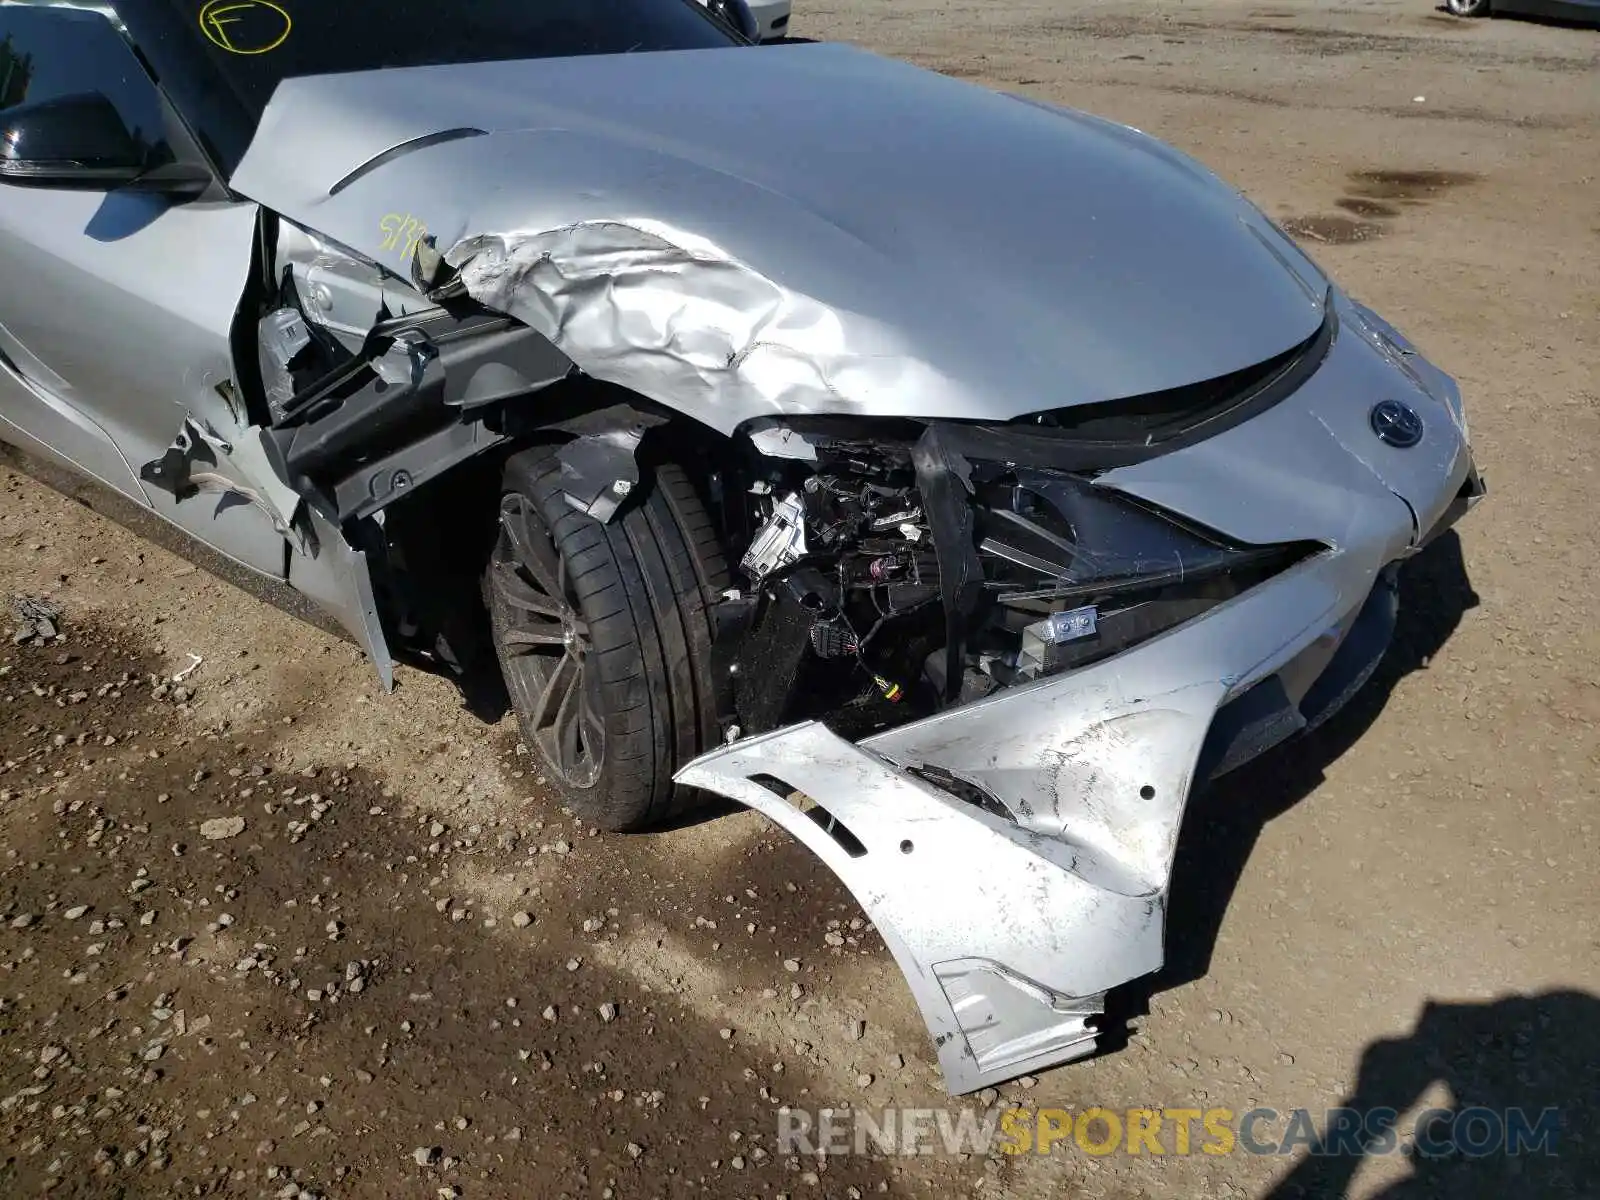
column 893, row 577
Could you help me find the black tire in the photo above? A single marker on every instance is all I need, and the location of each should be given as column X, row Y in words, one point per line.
column 635, row 631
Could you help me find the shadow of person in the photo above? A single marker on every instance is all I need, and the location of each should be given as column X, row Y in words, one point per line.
column 1523, row 1075
column 1225, row 820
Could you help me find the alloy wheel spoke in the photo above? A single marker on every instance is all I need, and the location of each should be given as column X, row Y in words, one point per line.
column 516, row 592
column 534, row 553
column 593, row 731
column 527, row 641
column 552, row 690
column 564, row 731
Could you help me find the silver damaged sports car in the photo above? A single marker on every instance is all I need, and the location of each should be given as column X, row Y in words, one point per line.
column 958, row 480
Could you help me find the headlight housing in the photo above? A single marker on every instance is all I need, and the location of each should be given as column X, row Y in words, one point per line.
column 1074, row 572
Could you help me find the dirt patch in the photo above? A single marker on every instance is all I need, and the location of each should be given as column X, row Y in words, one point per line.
column 1332, row 230
column 231, row 968
column 1407, row 184
column 1362, row 207
column 1375, row 198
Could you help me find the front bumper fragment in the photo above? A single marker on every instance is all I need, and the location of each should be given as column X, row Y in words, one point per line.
column 1015, row 854
column 1011, row 931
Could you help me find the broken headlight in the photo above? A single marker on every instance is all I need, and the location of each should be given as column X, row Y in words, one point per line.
column 1076, row 572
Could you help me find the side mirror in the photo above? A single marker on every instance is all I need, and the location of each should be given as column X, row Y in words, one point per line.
column 71, row 141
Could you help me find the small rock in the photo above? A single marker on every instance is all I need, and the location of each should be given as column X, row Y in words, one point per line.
column 550, row 1012
column 608, row 1012
column 76, row 911
column 219, row 828
column 864, row 1080
column 23, row 921
column 426, row 1156
column 791, row 965
column 635, row 1150
column 858, row 1030
column 522, row 919
column 725, row 1033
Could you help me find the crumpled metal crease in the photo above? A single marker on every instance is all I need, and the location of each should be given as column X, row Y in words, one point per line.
column 670, row 315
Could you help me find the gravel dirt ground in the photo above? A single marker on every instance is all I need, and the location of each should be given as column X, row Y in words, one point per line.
column 270, row 932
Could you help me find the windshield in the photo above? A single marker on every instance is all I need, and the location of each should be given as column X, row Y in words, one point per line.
column 257, row 43
column 221, row 60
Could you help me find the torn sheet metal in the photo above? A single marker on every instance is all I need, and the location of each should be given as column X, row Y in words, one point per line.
column 776, row 440
column 199, row 461
column 335, row 576
column 323, row 566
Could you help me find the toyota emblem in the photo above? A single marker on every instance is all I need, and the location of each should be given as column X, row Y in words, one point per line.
column 1396, row 424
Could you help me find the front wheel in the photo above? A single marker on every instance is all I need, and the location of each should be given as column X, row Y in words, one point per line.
column 1468, row 8
column 604, row 637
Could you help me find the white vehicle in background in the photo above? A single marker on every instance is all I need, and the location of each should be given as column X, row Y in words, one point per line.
column 758, row 20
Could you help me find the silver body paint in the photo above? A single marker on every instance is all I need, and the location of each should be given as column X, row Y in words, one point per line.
column 620, row 207
column 891, row 243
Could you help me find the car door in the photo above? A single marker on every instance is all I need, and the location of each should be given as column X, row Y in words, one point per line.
column 116, row 304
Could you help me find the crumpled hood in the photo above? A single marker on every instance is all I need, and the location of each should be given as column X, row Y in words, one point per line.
column 797, row 229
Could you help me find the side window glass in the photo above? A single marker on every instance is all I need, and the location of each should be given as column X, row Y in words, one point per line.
column 53, row 52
